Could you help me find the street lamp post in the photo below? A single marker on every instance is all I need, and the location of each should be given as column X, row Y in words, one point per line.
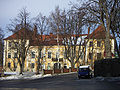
column 58, row 49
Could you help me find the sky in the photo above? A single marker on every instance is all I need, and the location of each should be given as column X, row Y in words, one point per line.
column 10, row 8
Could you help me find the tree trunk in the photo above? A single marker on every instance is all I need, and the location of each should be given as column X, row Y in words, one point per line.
column 38, row 67
column 21, row 69
column 107, row 43
column 72, row 64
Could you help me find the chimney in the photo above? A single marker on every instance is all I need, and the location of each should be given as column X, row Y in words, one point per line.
column 35, row 31
column 88, row 30
column 51, row 34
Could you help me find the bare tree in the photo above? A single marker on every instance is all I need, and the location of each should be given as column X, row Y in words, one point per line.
column 115, row 25
column 42, row 29
column 101, row 12
column 1, row 46
column 21, row 42
column 68, row 27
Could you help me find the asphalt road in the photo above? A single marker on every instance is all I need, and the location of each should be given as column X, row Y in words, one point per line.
column 62, row 82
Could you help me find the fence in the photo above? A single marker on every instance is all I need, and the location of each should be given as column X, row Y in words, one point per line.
column 107, row 67
column 58, row 71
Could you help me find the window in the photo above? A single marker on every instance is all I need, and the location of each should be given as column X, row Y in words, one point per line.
column 10, row 44
column 65, row 66
column 98, row 56
column 33, row 54
column 40, row 54
column 90, row 56
column 9, row 55
column 82, row 55
column 49, row 54
column 9, row 65
column 65, row 54
column 15, row 65
column 16, row 44
column 91, row 43
column 57, row 54
column 15, row 55
column 98, row 43
column 32, row 65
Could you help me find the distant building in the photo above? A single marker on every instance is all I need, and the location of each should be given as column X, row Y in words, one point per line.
column 94, row 49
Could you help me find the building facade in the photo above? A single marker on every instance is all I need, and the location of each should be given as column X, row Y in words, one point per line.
column 50, row 54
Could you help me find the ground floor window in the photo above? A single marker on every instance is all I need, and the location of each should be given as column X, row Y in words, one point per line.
column 48, row 67
column 32, row 65
column 57, row 66
column 9, row 65
column 65, row 66
column 90, row 55
column 98, row 56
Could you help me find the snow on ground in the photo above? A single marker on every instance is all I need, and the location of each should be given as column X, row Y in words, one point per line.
column 32, row 75
column 28, row 75
column 24, row 76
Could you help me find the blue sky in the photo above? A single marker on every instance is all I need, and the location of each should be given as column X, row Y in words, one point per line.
column 10, row 8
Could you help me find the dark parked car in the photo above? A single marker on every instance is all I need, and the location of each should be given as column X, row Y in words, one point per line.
column 84, row 71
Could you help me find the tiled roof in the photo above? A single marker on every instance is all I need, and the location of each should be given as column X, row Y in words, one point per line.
column 36, row 39
column 47, row 40
column 98, row 33
column 22, row 33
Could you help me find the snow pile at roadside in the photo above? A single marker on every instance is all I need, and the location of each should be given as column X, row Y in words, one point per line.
column 112, row 78
column 107, row 78
column 99, row 78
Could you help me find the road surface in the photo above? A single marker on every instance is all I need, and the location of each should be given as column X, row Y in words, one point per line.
column 61, row 82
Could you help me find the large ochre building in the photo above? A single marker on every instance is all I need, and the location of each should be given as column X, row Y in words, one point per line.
column 94, row 50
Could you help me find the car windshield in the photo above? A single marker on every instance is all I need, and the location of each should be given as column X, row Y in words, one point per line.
column 83, row 69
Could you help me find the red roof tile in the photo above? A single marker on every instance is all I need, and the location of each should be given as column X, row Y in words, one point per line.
column 22, row 33
column 98, row 33
column 36, row 39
